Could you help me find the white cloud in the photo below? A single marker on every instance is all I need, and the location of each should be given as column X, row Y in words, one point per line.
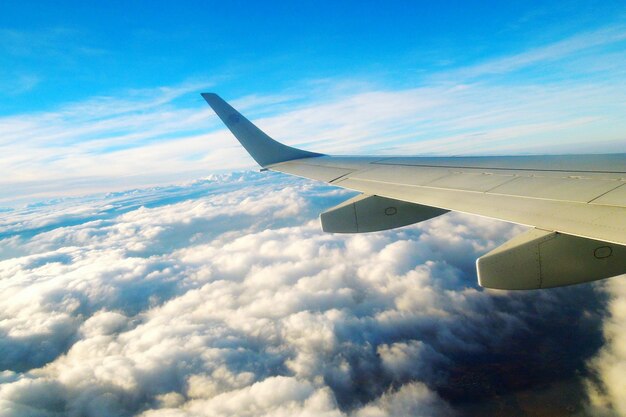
column 607, row 390
column 555, row 51
column 222, row 297
column 412, row 399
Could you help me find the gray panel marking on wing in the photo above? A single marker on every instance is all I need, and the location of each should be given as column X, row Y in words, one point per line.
column 470, row 182
column 616, row 163
column 315, row 172
column 560, row 189
column 410, row 175
column 614, row 197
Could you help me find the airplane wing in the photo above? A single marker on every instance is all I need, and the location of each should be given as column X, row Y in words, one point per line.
column 575, row 204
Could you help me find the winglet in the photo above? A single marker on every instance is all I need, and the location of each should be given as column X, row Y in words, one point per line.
column 265, row 150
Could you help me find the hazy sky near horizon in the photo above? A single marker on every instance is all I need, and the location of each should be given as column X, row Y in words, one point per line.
column 147, row 270
column 103, row 97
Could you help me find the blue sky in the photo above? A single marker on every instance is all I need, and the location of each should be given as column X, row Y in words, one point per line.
column 55, row 53
column 106, row 97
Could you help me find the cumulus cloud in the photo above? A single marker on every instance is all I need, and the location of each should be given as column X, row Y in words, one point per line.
column 222, row 297
column 413, row 399
column 606, row 386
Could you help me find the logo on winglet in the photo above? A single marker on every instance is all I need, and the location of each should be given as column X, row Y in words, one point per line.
column 233, row 118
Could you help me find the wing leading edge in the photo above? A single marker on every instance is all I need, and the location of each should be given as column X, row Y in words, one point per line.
column 576, row 204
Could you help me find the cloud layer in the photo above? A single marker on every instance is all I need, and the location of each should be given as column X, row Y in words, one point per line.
column 222, row 297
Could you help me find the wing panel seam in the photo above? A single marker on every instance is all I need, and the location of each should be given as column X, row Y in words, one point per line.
column 605, row 193
column 499, row 169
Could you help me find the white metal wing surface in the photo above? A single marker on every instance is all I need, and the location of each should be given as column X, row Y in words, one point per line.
column 576, row 204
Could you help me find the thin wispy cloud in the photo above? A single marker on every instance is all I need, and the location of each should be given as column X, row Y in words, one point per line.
column 147, row 136
column 599, row 41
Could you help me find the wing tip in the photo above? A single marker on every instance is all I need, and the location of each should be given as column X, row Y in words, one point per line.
column 209, row 97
